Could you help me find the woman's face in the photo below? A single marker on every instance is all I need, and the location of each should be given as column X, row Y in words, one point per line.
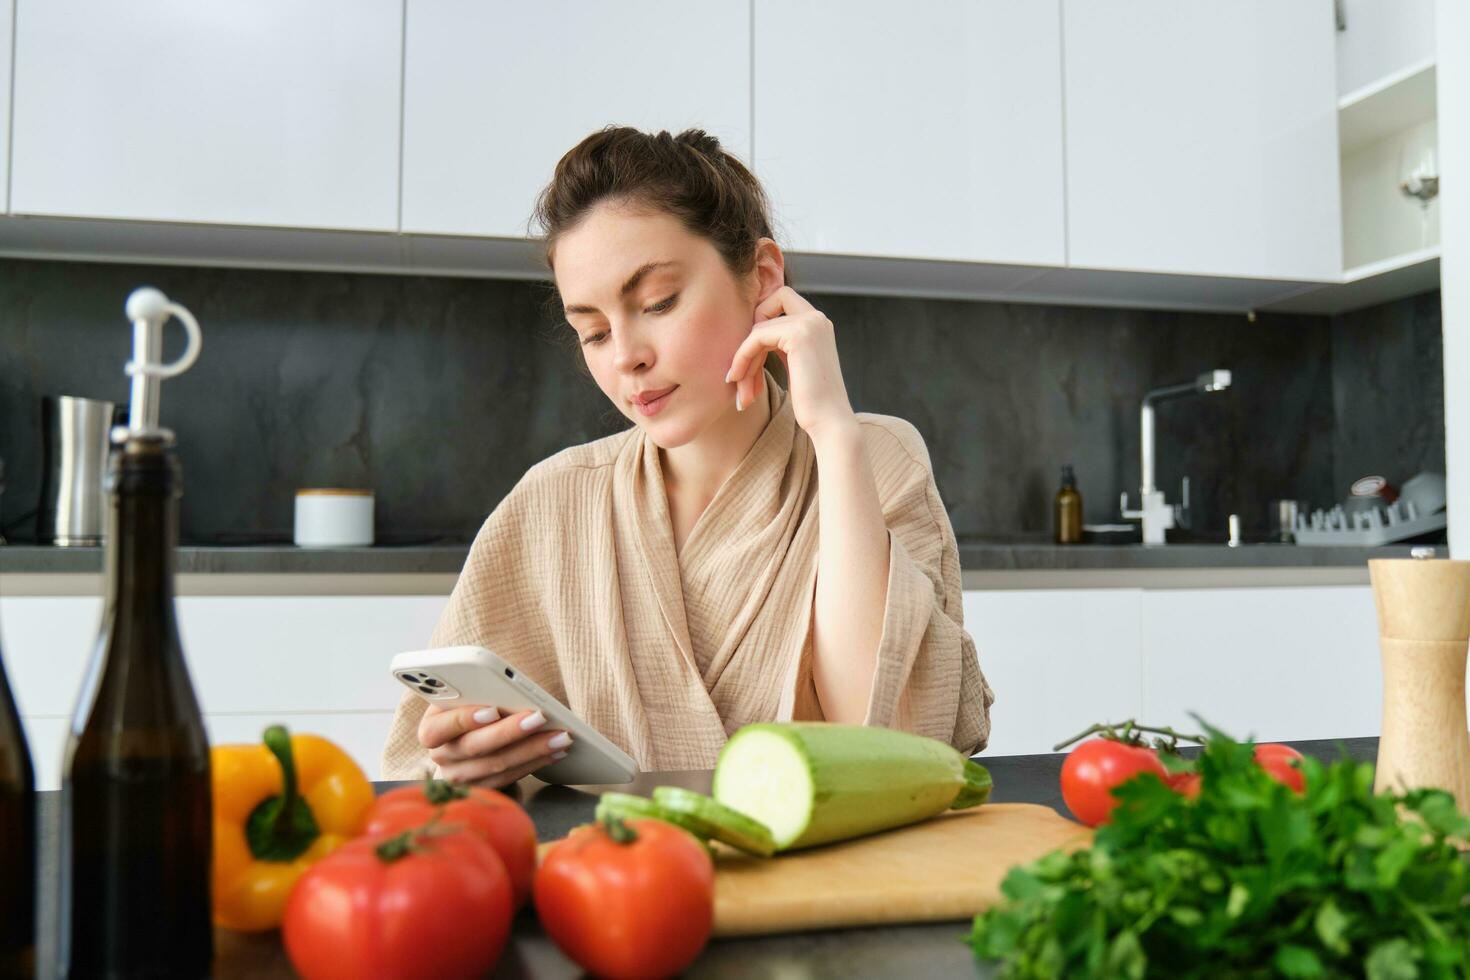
column 657, row 312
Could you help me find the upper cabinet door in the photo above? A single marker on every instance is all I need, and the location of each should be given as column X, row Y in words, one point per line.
column 7, row 49
column 251, row 112
column 1381, row 37
column 1202, row 137
column 496, row 92
column 929, row 129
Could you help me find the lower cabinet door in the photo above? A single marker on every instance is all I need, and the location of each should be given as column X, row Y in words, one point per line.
column 314, row 663
column 1058, row 660
column 1275, row 664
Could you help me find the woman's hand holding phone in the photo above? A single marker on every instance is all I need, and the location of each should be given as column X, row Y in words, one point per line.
column 474, row 744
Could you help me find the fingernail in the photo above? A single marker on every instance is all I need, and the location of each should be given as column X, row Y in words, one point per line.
column 728, row 374
column 738, row 407
column 558, row 755
column 559, row 741
column 533, row 721
column 485, row 715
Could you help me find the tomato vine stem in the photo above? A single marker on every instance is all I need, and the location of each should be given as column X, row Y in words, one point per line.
column 1129, row 728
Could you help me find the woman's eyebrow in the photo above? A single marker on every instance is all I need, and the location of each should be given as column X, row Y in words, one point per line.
column 628, row 286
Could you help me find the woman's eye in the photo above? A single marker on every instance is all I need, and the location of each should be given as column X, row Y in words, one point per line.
column 595, row 338
column 662, row 305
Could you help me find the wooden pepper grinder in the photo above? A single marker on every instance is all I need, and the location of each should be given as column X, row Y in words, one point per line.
column 1423, row 633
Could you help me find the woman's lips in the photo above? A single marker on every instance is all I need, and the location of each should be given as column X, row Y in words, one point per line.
column 656, row 405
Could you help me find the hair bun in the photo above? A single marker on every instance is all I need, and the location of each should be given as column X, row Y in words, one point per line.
column 702, row 141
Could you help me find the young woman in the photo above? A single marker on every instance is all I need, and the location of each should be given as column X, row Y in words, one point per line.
column 673, row 582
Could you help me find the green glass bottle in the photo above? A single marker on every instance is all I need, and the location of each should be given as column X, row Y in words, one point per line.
column 17, row 842
column 137, row 823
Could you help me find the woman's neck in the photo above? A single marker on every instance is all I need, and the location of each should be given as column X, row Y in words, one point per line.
column 699, row 468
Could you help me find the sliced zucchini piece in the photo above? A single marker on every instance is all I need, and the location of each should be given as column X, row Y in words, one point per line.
column 626, row 806
column 717, row 821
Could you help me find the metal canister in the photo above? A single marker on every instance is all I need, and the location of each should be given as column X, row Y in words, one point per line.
column 75, row 443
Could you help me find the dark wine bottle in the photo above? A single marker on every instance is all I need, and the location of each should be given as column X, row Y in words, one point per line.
column 137, row 825
column 17, row 842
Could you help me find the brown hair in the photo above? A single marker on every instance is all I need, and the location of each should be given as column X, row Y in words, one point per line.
column 689, row 176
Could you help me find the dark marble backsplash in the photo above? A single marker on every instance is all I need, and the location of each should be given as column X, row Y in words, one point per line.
column 1388, row 391
column 439, row 392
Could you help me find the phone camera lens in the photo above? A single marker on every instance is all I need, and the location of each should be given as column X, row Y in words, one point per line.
column 509, row 673
column 427, row 689
column 434, row 682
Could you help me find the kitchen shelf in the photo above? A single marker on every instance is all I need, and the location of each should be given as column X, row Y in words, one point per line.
column 1386, row 106
column 1420, row 259
column 1369, row 284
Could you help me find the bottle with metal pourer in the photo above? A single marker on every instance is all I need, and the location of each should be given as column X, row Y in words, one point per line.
column 17, row 841
column 136, row 833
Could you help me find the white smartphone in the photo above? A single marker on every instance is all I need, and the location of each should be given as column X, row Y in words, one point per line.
column 455, row 676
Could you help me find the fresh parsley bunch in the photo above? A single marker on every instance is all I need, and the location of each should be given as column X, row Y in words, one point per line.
column 1249, row 880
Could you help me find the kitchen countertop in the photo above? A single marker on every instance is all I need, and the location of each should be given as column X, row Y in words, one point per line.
column 979, row 556
column 890, row 951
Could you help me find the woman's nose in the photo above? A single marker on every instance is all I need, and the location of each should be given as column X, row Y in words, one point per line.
column 630, row 352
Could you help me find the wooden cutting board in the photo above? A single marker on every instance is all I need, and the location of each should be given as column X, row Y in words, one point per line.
column 948, row 868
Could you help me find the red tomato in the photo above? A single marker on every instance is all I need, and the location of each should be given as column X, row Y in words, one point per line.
column 440, row 908
column 494, row 816
column 1184, row 783
column 628, row 908
column 1280, row 762
column 1093, row 768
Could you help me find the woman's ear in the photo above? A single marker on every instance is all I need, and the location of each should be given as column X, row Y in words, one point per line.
column 770, row 269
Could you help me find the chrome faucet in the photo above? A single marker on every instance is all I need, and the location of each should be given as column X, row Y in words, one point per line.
column 1154, row 510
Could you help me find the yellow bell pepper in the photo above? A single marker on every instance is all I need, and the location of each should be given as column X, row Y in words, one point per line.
column 279, row 807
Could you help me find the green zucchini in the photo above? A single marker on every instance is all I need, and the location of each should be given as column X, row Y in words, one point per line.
column 716, row 820
column 815, row 782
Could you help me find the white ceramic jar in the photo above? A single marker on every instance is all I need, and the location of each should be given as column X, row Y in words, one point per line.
column 330, row 517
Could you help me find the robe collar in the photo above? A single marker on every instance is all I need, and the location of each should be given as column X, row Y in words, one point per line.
column 767, row 460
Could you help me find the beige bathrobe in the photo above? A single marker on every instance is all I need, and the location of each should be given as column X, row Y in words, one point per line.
column 574, row 579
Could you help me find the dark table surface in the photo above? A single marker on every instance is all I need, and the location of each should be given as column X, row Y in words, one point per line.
column 932, row 950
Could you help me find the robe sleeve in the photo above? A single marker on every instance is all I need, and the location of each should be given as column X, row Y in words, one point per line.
column 495, row 605
column 927, row 678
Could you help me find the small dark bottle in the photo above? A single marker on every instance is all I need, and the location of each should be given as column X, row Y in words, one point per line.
column 1068, row 509
column 137, row 826
column 17, row 842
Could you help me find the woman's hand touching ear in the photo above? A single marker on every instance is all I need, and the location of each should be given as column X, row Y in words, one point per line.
column 804, row 339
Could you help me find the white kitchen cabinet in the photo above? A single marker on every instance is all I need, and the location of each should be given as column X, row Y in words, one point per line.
column 1273, row 663
column 1201, row 137
column 315, row 663
column 930, row 130
column 360, row 734
column 1058, row 659
column 496, row 92
column 7, row 51
column 243, row 112
column 1270, row 663
column 1380, row 39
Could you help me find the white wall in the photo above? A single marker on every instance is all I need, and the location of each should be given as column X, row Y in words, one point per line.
column 1453, row 71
